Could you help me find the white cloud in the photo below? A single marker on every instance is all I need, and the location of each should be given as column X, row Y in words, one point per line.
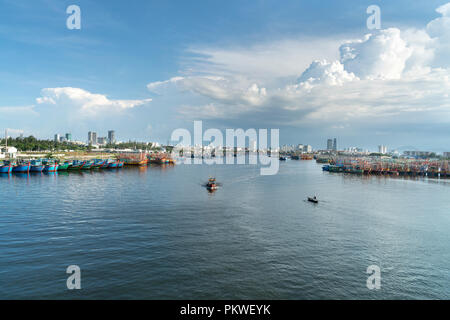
column 264, row 61
column 86, row 103
column 389, row 76
column 376, row 56
column 23, row 111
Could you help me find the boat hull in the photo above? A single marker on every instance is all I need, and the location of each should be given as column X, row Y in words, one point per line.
column 36, row 168
column 63, row 166
column 6, row 169
column 51, row 168
column 113, row 165
column 22, row 168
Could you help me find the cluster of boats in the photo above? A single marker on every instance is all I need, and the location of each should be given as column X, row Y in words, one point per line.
column 47, row 165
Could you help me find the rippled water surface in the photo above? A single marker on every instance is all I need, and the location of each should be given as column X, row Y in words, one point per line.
column 155, row 232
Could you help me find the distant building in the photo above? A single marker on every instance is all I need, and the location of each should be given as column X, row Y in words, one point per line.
column 446, row 154
column 57, row 137
column 329, row 144
column 417, row 153
column 335, row 144
column 111, row 136
column 101, row 140
column 382, row 149
column 68, row 136
column 92, row 138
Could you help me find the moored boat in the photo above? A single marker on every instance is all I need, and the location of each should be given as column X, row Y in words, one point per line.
column 87, row 165
column 51, row 167
column 76, row 165
column 99, row 163
column 36, row 166
column 6, row 167
column 63, row 166
column 22, row 168
column 113, row 165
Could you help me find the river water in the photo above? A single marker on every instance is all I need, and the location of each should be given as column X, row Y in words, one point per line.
column 156, row 233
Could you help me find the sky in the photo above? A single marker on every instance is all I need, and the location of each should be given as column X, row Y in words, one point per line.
column 312, row 69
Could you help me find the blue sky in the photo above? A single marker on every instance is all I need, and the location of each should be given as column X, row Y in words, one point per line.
column 232, row 64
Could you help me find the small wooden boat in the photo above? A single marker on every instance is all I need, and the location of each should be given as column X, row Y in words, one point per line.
column 212, row 185
column 313, row 199
column 283, row 158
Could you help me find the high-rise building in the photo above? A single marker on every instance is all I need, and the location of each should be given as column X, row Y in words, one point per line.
column 68, row 136
column 92, row 137
column 57, row 137
column 329, row 144
column 101, row 140
column 111, row 136
column 335, row 144
column 382, row 149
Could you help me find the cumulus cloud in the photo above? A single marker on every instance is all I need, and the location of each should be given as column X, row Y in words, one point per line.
column 376, row 56
column 392, row 76
column 85, row 102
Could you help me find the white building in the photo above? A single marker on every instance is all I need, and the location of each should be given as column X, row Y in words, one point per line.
column 7, row 152
column 382, row 149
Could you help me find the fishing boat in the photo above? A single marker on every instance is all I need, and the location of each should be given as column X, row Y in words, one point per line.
column 87, row 165
column 76, row 165
column 120, row 164
column 22, row 168
column 51, row 167
column 282, row 158
column 113, row 165
column 36, row 166
column 313, row 199
column 6, row 167
column 99, row 163
column 63, row 166
column 211, row 185
column 133, row 158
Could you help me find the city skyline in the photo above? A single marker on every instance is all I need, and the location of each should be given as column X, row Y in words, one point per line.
column 250, row 74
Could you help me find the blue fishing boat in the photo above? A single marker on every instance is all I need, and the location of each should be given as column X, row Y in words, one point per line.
column 99, row 163
column 113, row 165
column 6, row 167
column 36, row 166
column 22, row 168
column 51, row 167
column 120, row 165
